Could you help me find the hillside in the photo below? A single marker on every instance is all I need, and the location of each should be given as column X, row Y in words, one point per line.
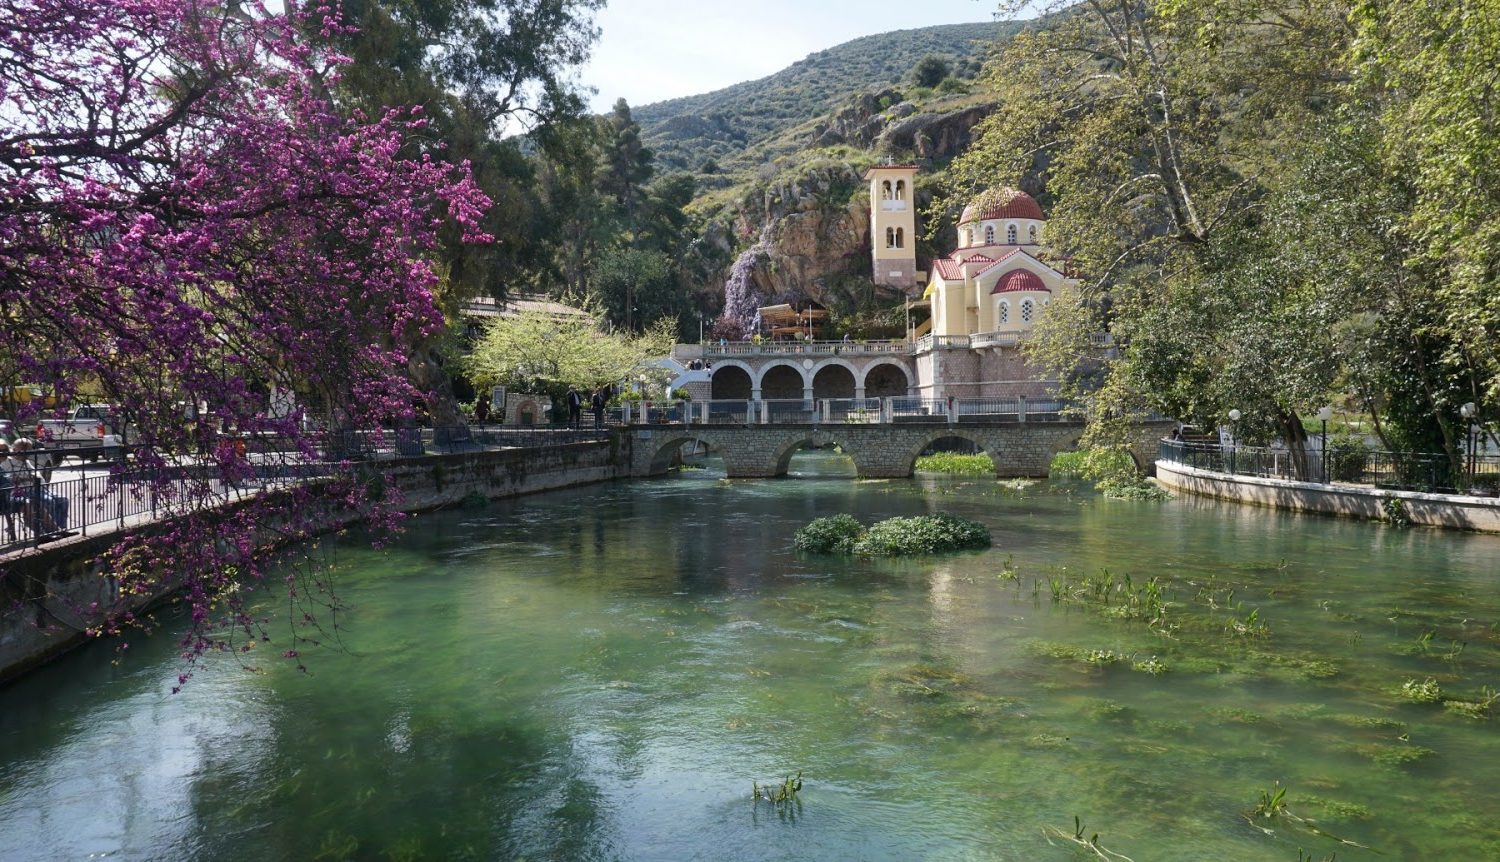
column 686, row 132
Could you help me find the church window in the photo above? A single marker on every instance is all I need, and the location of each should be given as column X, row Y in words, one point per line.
column 900, row 190
column 1003, row 315
column 885, row 190
column 1031, row 233
column 989, row 234
column 890, row 237
column 966, row 237
column 1010, row 234
column 1028, row 309
column 900, row 237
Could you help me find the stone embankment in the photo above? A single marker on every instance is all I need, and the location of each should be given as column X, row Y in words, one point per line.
column 42, row 591
column 1453, row 511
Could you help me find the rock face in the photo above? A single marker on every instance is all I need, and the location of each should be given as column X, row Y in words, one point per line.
column 883, row 122
column 812, row 236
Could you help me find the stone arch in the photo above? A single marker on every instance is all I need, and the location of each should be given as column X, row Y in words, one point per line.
column 728, row 387
column 882, row 386
column 785, row 449
column 663, row 450
column 957, row 434
column 781, row 387
column 831, row 386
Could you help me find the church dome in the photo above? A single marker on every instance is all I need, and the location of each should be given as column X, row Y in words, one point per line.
column 1002, row 203
column 1019, row 280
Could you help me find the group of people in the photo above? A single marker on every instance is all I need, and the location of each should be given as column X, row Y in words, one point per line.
column 25, row 476
column 596, row 401
column 700, row 365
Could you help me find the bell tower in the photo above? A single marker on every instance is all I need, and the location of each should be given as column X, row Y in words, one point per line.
column 893, row 225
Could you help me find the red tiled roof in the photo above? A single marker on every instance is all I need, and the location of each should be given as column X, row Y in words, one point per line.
column 949, row 270
column 977, row 257
column 1002, row 204
column 1020, row 279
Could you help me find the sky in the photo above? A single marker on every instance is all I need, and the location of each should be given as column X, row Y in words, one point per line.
column 652, row 50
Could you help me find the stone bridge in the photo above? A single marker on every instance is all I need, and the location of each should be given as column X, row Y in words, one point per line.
column 879, row 451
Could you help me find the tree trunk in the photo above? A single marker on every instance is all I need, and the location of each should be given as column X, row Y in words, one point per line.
column 428, row 375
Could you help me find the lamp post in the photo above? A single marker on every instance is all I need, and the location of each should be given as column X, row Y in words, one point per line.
column 1469, row 411
column 1234, row 436
column 1324, row 414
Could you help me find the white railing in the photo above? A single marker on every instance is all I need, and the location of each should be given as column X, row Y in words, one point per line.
column 806, row 348
column 842, row 411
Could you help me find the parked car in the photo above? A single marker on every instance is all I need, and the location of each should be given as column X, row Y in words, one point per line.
column 85, row 433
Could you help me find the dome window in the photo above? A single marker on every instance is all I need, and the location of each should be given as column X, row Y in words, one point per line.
column 1010, row 234
column 1028, row 310
column 1003, row 314
column 1031, row 233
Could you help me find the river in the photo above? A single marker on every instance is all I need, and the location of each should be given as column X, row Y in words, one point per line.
column 602, row 673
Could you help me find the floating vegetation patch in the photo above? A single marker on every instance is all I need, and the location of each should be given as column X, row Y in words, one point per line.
column 1423, row 691
column 1112, row 471
column 1476, row 709
column 1273, row 808
column 956, row 464
column 782, row 797
column 893, row 537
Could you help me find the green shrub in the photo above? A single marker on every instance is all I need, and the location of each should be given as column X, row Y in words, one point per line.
column 959, row 465
column 923, row 534
column 1346, row 459
column 834, row 535
column 1112, row 471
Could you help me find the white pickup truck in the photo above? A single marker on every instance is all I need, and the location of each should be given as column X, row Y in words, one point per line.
column 86, row 432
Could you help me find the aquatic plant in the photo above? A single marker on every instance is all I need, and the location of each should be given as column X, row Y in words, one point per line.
column 1273, row 806
column 778, row 794
column 923, row 534
column 1425, row 691
column 1008, row 572
column 836, row 534
column 956, row 464
column 1090, row 843
column 1476, row 709
column 893, row 537
column 1394, row 512
column 1112, row 471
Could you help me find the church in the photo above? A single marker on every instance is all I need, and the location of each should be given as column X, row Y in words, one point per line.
column 971, row 311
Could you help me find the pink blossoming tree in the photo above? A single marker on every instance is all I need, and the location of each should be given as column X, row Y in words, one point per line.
column 186, row 217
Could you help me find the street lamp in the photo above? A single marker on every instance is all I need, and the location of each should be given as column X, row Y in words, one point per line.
column 1234, row 436
column 1324, row 414
column 1469, row 411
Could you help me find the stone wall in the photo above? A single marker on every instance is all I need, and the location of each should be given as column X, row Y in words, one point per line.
column 43, row 591
column 1436, row 510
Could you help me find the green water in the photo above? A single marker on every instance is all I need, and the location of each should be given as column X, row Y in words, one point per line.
column 601, row 673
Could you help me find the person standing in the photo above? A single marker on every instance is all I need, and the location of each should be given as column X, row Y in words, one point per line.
column 575, row 408
column 597, row 404
column 482, row 409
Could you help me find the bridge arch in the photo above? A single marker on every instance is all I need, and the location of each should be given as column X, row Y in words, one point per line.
column 979, row 442
column 835, row 378
column 877, row 381
column 780, row 385
column 730, row 378
column 785, row 449
column 662, row 451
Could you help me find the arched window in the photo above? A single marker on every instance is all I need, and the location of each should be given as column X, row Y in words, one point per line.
column 885, row 190
column 1031, row 233
column 1002, row 314
column 890, row 237
column 1028, row 309
column 965, row 236
column 1010, row 234
column 900, row 237
column 900, row 190
column 989, row 234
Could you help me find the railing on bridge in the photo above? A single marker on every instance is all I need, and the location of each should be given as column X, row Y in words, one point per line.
column 807, row 348
column 848, row 411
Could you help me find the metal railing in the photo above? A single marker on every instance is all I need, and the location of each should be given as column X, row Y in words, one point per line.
column 807, row 348
column 1396, row 471
column 38, row 507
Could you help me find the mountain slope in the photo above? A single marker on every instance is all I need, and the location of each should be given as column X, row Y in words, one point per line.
column 720, row 125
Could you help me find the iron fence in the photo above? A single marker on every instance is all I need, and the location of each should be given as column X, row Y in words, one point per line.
column 1352, row 465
